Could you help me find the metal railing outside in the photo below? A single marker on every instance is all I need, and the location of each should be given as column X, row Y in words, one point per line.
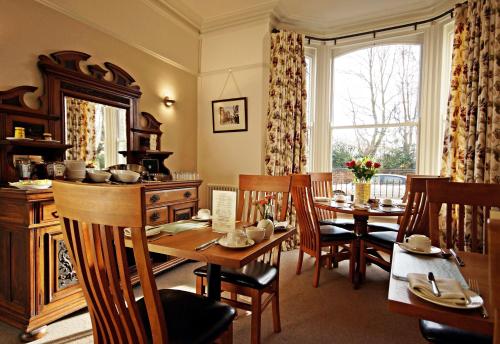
column 385, row 184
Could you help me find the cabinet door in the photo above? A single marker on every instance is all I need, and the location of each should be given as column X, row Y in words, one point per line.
column 182, row 211
column 57, row 277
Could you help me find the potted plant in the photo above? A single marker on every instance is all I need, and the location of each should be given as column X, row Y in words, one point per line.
column 363, row 170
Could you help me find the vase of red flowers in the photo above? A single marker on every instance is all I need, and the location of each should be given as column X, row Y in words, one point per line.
column 363, row 170
column 265, row 207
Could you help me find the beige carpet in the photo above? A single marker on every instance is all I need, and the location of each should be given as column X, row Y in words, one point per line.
column 332, row 313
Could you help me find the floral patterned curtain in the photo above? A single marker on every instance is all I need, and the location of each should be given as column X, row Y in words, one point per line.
column 286, row 115
column 80, row 129
column 286, row 136
column 472, row 139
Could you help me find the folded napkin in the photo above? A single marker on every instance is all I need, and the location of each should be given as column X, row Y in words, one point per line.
column 147, row 228
column 451, row 291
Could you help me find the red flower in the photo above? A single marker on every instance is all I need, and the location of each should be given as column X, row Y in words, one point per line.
column 376, row 165
column 351, row 164
column 263, row 202
column 369, row 163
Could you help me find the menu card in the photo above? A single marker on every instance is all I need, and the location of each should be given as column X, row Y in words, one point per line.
column 223, row 211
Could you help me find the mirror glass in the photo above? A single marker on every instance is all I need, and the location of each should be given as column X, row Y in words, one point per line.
column 96, row 131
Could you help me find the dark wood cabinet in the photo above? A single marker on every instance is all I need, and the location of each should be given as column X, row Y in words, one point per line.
column 38, row 284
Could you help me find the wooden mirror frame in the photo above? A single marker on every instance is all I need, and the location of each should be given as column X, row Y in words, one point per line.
column 63, row 76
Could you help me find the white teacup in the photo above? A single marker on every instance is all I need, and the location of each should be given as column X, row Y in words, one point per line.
column 339, row 198
column 419, row 242
column 236, row 238
column 204, row 214
column 387, row 202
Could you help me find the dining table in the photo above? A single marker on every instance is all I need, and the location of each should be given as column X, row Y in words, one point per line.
column 360, row 214
column 185, row 244
column 401, row 300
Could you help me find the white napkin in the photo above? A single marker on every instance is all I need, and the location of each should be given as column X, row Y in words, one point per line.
column 451, row 291
column 129, row 233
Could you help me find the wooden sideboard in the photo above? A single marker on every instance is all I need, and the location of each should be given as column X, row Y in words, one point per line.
column 37, row 282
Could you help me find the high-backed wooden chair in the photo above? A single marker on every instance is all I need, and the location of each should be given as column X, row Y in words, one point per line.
column 477, row 198
column 494, row 258
column 474, row 198
column 322, row 186
column 258, row 278
column 313, row 236
column 413, row 221
column 93, row 219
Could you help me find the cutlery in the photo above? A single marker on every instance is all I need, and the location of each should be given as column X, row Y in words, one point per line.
column 457, row 258
column 474, row 286
column 445, row 254
column 206, row 245
column 158, row 237
column 435, row 289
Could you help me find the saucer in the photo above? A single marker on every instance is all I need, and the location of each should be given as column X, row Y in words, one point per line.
column 224, row 243
column 201, row 219
column 434, row 250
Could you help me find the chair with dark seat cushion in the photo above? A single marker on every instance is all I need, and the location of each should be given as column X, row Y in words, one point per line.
column 322, row 186
column 383, row 226
column 313, row 237
column 414, row 220
column 93, row 221
column 261, row 277
column 190, row 318
column 256, row 274
column 444, row 334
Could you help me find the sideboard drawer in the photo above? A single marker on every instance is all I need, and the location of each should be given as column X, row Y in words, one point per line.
column 47, row 212
column 169, row 196
column 157, row 216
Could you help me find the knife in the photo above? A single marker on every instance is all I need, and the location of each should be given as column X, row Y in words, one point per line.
column 206, row 245
column 435, row 289
column 457, row 258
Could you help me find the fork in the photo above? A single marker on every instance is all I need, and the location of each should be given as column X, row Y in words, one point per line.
column 474, row 286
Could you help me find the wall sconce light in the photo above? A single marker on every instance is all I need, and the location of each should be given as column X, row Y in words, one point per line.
column 168, row 102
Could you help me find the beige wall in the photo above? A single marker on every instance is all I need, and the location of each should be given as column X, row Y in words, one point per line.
column 28, row 29
column 244, row 50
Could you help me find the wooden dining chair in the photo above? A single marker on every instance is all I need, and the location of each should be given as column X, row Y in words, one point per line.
column 93, row 219
column 322, row 186
column 261, row 277
column 313, row 236
column 474, row 199
column 413, row 221
column 494, row 260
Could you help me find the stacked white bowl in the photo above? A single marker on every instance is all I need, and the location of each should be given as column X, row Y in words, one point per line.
column 75, row 170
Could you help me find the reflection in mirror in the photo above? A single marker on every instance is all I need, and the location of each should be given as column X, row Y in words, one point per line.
column 96, row 131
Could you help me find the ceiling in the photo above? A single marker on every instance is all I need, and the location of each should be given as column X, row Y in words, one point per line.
column 320, row 16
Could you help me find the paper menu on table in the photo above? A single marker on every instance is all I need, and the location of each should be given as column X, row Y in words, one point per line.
column 223, row 211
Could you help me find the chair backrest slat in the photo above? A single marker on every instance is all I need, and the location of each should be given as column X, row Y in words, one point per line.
column 303, row 202
column 253, row 188
column 93, row 220
column 470, row 203
column 322, row 186
column 415, row 217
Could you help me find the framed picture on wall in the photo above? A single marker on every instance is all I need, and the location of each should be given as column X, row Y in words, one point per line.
column 229, row 115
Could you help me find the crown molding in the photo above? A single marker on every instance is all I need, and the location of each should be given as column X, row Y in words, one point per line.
column 176, row 9
column 119, row 37
column 311, row 26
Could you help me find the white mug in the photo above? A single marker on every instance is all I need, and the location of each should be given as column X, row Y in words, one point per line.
column 204, row 213
column 419, row 242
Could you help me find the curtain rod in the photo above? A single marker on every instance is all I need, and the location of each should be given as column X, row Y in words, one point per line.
column 374, row 32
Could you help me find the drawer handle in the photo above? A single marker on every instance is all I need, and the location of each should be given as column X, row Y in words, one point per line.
column 154, row 216
column 154, row 198
column 55, row 214
column 187, row 194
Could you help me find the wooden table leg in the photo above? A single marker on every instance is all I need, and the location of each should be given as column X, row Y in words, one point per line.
column 360, row 228
column 213, row 281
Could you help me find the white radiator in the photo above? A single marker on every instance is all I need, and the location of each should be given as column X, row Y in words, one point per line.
column 212, row 187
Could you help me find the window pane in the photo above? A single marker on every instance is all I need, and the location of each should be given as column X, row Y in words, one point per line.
column 377, row 85
column 394, row 148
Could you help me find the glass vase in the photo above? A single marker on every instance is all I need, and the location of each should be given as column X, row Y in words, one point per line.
column 362, row 190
